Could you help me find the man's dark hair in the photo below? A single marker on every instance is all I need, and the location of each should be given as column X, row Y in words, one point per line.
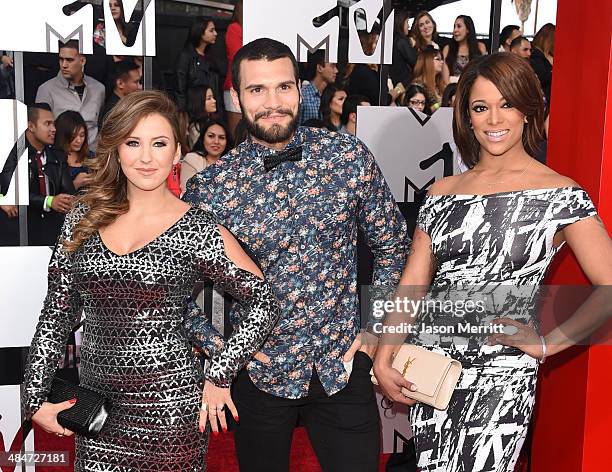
column 350, row 106
column 314, row 59
column 517, row 41
column 262, row 49
column 506, row 32
column 70, row 44
column 34, row 110
column 121, row 71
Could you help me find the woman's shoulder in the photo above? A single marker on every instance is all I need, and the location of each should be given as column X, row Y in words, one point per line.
column 445, row 185
column 545, row 177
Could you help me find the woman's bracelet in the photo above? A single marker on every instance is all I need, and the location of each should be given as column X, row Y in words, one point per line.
column 543, row 358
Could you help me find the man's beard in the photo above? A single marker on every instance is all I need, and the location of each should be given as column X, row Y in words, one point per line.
column 276, row 133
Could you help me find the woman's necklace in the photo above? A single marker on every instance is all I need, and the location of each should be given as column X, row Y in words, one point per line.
column 491, row 185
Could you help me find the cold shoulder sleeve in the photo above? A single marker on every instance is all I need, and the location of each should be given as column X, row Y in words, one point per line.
column 258, row 311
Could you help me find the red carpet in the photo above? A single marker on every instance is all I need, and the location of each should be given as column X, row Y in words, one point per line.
column 221, row 454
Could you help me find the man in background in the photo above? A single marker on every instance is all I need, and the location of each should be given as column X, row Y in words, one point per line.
column 320, row 73
column 348, row 119
column 521, row 47
column 125, row 79
column 51, row 188
column 71, row 89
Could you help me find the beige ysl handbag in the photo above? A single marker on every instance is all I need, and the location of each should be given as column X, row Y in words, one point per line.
column 434, row 375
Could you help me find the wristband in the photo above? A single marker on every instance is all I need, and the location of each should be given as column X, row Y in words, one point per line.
column 543, row 341
column 48, row 201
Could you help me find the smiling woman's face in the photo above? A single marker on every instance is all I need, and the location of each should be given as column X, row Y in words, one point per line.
column 215, row 141
column 498, row 126
column 148, row 153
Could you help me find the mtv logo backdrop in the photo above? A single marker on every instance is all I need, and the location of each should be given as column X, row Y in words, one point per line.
column 292, row 24
column 413, row 150
column 37, row 25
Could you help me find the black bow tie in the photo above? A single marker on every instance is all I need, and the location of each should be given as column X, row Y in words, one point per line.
column 272, row 160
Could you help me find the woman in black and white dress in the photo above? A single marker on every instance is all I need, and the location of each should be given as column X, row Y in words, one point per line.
column 491, row 233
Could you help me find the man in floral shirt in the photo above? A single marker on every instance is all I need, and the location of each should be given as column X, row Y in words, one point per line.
column 296, row 198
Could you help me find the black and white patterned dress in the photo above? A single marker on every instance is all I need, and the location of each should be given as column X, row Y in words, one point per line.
column 497, row 247
column 135, row 349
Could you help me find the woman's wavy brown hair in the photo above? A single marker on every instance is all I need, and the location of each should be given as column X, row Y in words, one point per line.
column 106, row 195
column 420, row 44
column 518, row 84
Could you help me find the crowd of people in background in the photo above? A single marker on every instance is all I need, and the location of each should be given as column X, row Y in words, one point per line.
column 423, row 75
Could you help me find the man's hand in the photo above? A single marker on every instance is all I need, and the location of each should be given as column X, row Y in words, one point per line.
column 10, row 210
column 62, row 203
column 364, row 342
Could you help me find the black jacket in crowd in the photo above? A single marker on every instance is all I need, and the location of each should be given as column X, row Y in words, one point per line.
column 404, row 60
column 194, row 70
column 43, row 226
column 543, row 70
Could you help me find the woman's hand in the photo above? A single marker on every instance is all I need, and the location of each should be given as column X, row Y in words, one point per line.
column 391, row 383
column 81, row 179
column 214, row 401
column 526, row 338
column 46, row 417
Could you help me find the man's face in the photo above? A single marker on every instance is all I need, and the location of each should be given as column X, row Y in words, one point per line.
column 131, row 83
column 71, row 63
column 43, row 128
column 524, row 50
column 269, row 99
column 328, row 71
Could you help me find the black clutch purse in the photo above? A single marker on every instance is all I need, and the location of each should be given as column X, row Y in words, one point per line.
column 88, row 414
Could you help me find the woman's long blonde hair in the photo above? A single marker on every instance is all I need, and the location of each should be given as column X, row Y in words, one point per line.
column 106, row 194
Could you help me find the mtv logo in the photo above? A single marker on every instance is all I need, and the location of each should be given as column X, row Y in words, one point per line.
column 291, row 23
column 37, row 25
column 413, row 150
column 14, row 179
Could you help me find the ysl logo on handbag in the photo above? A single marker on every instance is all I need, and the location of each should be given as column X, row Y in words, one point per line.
column 407, row 365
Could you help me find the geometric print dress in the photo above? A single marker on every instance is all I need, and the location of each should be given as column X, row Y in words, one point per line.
column 496, row 248
column 135, row 350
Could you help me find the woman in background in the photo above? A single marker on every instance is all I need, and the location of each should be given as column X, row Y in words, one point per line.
column 201, row 107
column 210, row 146
column 429, row 72
column 233, row 42
column 195, row 67
column 332, row 100
column 424, row 32
column 404, row 55
column 417, row 99
column 542, row 53
column 128, row 257
column 127, row 34
column 71, row 137
column 463, row 47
